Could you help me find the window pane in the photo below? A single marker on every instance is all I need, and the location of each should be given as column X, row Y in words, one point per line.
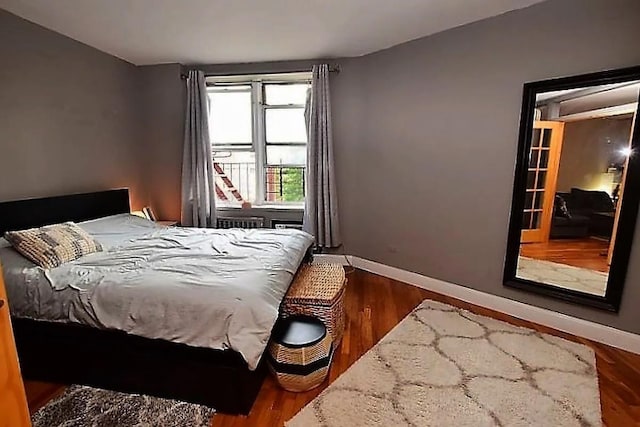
column 235, row 177
column 528, row 200
column 544, row 159
column 546, row 139
column 533, row 158
column 286, row 155
column 286, row 94
column 286, row 125
column 531, row 179
column 526, row 220
column 535, row 219
column 535, row 140
column 542, row 176
column 539, row 200
column 230, row 117
column 284, row 184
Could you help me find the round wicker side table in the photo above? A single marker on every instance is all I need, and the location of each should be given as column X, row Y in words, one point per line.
column 300, row 353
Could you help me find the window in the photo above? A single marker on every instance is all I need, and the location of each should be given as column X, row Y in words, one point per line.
column 259, row 138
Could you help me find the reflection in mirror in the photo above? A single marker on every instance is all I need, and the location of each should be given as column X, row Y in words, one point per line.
column 579, row 150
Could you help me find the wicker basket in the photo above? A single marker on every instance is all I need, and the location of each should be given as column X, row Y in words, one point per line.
column 318, row 291
column 300, row 383
column 301, row 367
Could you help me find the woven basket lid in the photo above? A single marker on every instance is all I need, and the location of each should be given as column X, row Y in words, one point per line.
column 317, row 282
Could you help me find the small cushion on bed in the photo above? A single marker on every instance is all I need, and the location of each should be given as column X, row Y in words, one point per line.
column 53, row 245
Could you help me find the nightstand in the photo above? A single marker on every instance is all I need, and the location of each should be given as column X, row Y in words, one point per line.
column 168, row 223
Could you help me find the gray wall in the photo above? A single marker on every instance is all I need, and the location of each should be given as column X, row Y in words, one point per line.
column 429, row 130
column 588, row 148
column 163, row 98
column 68, row 116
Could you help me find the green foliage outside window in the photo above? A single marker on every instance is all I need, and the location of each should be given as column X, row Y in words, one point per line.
column 292, row 185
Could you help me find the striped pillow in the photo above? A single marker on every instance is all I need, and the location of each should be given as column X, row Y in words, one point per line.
column 53, row 245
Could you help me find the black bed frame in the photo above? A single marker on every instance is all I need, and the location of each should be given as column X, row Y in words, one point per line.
column 69, row 353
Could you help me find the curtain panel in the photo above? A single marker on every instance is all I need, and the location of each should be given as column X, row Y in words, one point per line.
column 321, row 200
column 198, row 198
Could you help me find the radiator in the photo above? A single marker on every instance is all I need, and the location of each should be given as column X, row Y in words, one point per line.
column 240, row 222
column 280, row 225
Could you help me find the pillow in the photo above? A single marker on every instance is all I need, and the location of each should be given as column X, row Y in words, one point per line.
column 53, row 245
column 561, row 207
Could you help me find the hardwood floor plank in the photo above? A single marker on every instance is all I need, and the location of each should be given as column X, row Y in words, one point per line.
column 374, row 305
column 585, row 253
column 39, row 393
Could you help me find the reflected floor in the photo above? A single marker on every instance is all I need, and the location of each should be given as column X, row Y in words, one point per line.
column 565, row 276
column 587, row 253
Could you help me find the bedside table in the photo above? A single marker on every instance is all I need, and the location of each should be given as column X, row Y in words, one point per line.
column 168, row 223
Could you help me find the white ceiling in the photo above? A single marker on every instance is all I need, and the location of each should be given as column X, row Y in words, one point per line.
column 226, row 31
column 593, row 98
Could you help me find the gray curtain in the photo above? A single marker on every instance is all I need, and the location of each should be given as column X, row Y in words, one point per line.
column 321, row 200
column 198, row 199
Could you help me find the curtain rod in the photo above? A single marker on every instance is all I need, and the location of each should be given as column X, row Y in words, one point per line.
column 332, row 69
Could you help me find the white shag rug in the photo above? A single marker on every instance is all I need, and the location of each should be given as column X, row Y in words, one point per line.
column 566, row 276
column 443, row 366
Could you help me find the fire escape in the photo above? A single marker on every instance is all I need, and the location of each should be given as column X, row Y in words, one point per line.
column 222, row 195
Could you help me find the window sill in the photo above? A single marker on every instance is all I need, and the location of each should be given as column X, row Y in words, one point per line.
column 259, row 208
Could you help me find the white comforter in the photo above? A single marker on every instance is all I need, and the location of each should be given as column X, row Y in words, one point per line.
column 219, row 289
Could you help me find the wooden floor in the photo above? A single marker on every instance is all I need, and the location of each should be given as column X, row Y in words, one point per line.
column 585, row 253
column 374, row 306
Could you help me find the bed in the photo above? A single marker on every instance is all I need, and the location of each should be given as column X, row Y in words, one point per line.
column 171, row 312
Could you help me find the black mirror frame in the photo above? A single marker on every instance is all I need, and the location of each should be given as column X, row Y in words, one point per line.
column 628, row 211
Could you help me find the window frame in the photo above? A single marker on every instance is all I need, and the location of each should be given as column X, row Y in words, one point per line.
column 259, row 142
column 236, row 146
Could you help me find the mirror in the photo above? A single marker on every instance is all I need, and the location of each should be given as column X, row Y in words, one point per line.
column 577, row 186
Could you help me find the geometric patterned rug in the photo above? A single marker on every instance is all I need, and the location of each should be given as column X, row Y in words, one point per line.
column 81, row 406
column 444, row 366
column 562, row 275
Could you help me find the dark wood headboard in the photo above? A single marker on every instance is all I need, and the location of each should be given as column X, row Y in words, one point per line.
column 28, row 213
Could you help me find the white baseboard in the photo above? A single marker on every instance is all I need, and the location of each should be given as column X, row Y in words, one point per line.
column 579, row 327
